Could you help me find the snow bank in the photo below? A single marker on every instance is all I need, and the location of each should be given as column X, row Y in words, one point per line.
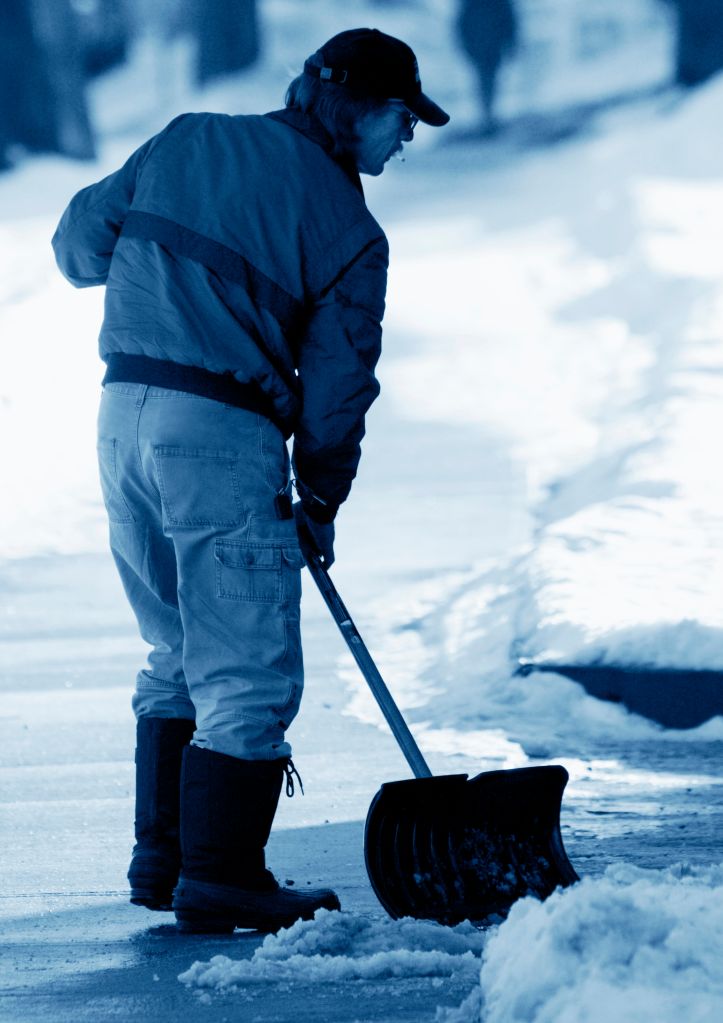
column 628, row 567
column 339, row 946
column 582, row 322
column 633, row 945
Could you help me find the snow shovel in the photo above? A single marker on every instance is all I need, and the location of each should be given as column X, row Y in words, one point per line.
column 453, row 848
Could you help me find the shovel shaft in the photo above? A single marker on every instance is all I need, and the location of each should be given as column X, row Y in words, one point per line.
column 363, row 658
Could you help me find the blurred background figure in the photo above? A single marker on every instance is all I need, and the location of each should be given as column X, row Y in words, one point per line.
column 488, row 33
column 228, row 36
column 42, row 77
column 699, row 40
column 106, row 28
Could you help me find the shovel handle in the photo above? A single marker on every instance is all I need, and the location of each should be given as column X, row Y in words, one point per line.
column 362, row 657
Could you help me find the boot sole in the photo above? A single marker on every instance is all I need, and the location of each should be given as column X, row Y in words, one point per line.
column 201, row 922
column 196, row 913
column 151, row 895
column 189, row 921
column 151, row 888
column 150, row 901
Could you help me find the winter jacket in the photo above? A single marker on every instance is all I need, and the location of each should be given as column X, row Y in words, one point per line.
column 239, row 246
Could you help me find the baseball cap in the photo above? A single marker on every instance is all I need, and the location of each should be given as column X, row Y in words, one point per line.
column 377, row 65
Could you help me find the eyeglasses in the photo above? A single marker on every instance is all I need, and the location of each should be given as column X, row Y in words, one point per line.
column 409, row 119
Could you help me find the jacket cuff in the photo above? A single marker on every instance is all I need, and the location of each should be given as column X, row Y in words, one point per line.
column 321, row 513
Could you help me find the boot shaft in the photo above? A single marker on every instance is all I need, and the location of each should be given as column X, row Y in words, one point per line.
column 159, row 755
column 227, row 809
column 156, row 859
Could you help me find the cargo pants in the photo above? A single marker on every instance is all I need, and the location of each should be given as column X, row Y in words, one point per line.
column 211, row 570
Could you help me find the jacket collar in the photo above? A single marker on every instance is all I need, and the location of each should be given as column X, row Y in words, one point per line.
column 313, row 129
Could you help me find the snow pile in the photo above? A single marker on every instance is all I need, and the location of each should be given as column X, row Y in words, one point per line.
column 633, row 945
column 337, row 947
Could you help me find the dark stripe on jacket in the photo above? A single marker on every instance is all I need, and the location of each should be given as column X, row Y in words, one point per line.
column 218, row 257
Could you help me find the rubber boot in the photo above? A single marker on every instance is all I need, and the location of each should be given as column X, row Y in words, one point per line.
column 156, row 858
column 227, row 809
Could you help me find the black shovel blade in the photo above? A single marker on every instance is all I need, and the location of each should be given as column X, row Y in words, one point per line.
column 452, row 849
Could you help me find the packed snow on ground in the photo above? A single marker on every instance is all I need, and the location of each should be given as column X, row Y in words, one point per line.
column 634, row 944
column 337, row 947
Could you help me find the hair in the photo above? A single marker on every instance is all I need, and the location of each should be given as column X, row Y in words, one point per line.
column 337, row 107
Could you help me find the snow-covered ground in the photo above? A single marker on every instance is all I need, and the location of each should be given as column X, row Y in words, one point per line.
column 540, row 486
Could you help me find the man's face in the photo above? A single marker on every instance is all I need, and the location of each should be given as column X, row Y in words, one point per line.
column 381, row 135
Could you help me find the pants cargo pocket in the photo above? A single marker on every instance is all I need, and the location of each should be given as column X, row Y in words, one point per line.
column 268, row 573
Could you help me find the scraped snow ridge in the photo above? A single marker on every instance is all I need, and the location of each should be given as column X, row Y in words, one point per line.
column 452, row 666
column 339, row 946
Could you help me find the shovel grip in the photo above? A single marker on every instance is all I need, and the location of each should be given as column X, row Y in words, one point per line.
column 363, row 658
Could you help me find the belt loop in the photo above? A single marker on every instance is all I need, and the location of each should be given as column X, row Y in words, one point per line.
column 141, row 397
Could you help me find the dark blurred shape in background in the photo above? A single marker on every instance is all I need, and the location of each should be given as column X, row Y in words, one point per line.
column 42, row 80
column 228, row 36
column 488, row 33
column 699, row 41
column 50, row 49
column 105, row 28
column 569, row 55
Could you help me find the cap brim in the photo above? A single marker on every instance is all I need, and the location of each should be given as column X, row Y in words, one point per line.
column 427, row 110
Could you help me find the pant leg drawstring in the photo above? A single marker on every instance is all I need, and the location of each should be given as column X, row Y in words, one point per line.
column 290, row 771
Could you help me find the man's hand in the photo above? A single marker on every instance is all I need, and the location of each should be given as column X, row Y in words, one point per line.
column 322, row 534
